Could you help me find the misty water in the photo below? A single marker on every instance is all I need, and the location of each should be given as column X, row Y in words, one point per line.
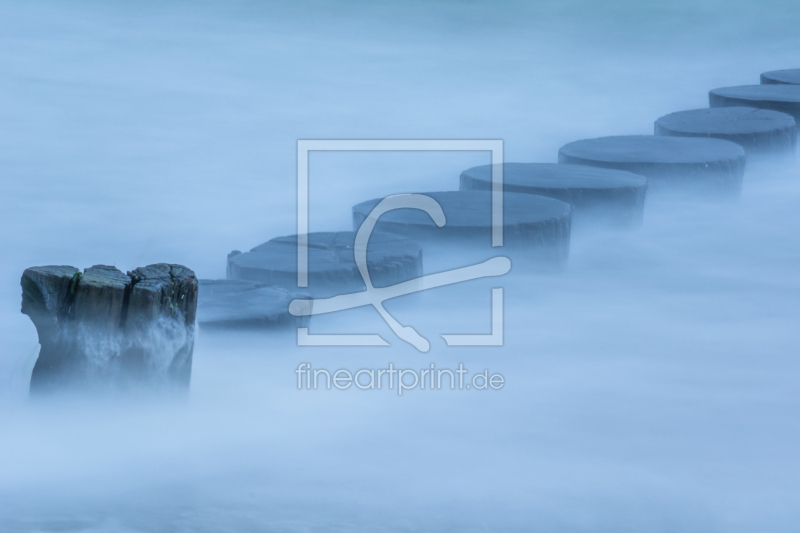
column 650, row 386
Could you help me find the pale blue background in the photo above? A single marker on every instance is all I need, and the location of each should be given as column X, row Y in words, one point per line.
column 651, row 387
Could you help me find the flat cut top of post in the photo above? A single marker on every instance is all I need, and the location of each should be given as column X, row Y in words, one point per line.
column 760, row 93
column 326, row 251
column 726, row 121
column 473, row 209
column 776, row 77
column 653, row 149
column 557, row 176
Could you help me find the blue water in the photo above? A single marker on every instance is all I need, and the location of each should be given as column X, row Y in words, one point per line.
column 652, row 386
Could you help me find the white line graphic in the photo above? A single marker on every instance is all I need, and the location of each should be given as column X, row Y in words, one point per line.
column 305, row 146
column 497, row 266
